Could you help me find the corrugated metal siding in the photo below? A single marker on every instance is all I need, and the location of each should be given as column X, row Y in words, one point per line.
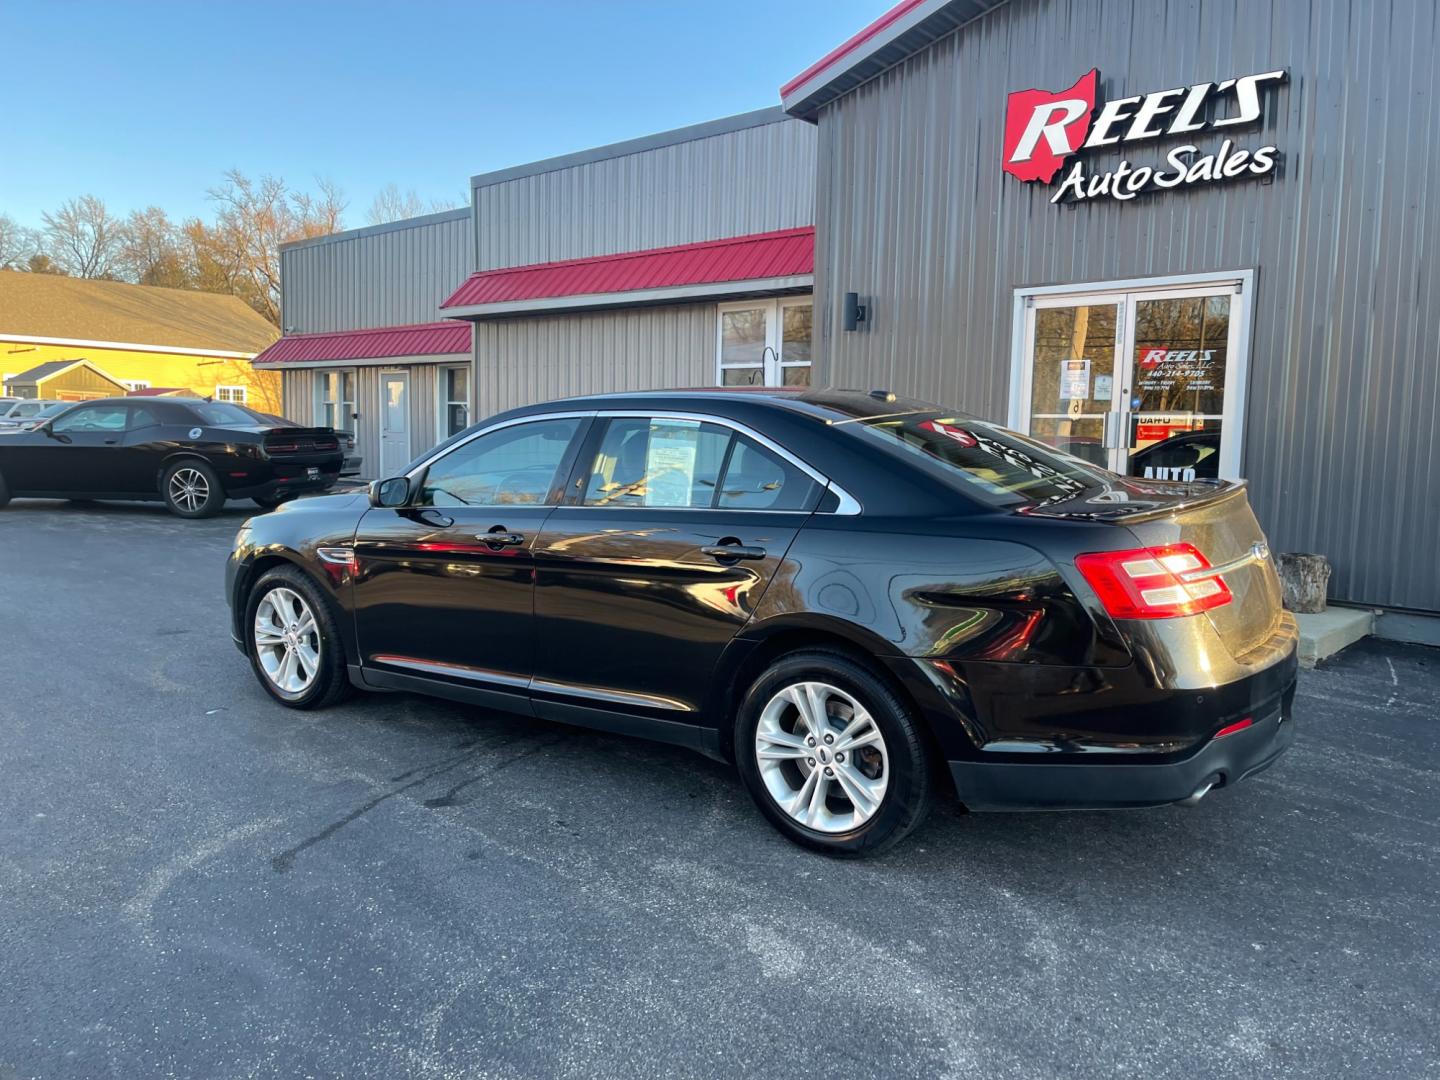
column 1341, row 443
column 297, row 391
column 392, row 277
column 757, row 179
column 521, row 361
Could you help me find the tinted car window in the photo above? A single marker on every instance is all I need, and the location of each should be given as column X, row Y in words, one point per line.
column 221, row 414
column 515, row 466
column 994, row 464
column 657, row 462
column 142, row 417
column 92, row 418
column 757, row 479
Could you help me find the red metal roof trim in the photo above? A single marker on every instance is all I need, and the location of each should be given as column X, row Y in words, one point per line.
column 427, row 339
column 787, row 253
column 899, row 11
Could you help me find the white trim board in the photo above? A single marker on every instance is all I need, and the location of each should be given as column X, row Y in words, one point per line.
column 128, row 346
column 677, row 293
column 375, row 361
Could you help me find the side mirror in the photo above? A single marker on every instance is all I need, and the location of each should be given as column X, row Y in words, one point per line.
column 390, row 493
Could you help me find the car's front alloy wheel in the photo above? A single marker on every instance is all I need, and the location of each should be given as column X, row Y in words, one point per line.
column 287, row 640
column 832, row 754
column 294, row 644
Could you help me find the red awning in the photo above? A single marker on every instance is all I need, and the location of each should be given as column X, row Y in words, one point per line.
column 387, row 342
column 776, row 259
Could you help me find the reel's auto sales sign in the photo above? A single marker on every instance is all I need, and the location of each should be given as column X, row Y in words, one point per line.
column 1045, row 128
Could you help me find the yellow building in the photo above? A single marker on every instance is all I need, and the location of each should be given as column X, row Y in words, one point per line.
column 138, row 336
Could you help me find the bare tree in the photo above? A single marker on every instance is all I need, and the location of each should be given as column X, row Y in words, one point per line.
column 84, row 239
column 17, row 244
column 391, row 205
column 253, row 218
column 152, row 252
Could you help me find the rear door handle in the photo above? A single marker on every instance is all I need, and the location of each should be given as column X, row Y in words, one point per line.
column 733, row 551
column 501, row 538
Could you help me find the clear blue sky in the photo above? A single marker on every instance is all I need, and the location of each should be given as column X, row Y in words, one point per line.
column 143, row 103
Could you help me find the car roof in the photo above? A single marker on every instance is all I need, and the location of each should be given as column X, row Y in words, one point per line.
column 829, row 404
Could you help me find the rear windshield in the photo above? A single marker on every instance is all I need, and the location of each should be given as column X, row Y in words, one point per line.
column 223, row 414
column 996, row 465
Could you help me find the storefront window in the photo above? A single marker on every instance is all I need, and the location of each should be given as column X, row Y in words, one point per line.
column 455, row 400
column 1142, row 380
column 766, row 343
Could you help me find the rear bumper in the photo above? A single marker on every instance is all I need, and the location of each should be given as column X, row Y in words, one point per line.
column 283, row 485
column 1082, row 785
column 1224, row 761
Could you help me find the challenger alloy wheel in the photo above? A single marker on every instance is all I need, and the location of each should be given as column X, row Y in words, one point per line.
column 192, row 489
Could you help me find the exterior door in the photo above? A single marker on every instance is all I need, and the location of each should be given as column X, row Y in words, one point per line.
column 1148, row 382
column 671, row 534
column 444, row 586
column 394, row 422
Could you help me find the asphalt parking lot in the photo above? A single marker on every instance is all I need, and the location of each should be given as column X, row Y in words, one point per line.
column 196, row 882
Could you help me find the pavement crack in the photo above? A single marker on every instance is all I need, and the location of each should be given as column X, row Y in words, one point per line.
column 286, row 859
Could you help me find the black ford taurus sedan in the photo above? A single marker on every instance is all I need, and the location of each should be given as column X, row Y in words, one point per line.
column 853, row 598
column 188, row 452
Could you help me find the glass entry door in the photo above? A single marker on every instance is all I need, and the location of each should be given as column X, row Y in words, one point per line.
column 1145, row 382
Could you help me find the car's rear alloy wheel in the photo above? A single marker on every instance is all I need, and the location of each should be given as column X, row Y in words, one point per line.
column 287, row 640
column 832, row 754
column 294, row 643
column 192, row 489
column 822, row 757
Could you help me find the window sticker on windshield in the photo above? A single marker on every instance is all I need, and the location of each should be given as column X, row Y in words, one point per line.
column 670, row 462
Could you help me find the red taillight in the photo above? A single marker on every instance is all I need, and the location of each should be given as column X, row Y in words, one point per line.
column 1153, row 583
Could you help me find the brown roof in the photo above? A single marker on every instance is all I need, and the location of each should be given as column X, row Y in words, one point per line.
column 50, row 306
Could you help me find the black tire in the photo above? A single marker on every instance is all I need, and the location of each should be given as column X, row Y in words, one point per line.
column 4, row 493
column 270, row 502
column 209, row 498
column 909, row 782
column 331, row 683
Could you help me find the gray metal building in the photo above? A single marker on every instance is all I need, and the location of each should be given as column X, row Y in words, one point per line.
column 650, row 252
column 982, row 193
column 364, row 347
column 679, row 259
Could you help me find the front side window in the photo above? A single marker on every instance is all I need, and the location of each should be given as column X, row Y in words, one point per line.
column 765, row 342
column 514, row 466
column 92, row 418
column 689, row 464
column 455, row 400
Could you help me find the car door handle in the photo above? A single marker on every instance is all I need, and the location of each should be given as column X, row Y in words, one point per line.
column 500, row 538
column 733, row 551
column 111, row 442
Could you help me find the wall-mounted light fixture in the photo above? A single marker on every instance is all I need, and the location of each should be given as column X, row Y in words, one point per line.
column 854, row 311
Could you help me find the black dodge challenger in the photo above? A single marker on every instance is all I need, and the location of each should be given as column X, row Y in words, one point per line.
column 853, row 598
column 190, row 453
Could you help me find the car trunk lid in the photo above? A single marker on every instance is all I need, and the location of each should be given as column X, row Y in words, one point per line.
column 1222, row 526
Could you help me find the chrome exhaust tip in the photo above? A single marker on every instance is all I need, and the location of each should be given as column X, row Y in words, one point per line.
column 1193, row 799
